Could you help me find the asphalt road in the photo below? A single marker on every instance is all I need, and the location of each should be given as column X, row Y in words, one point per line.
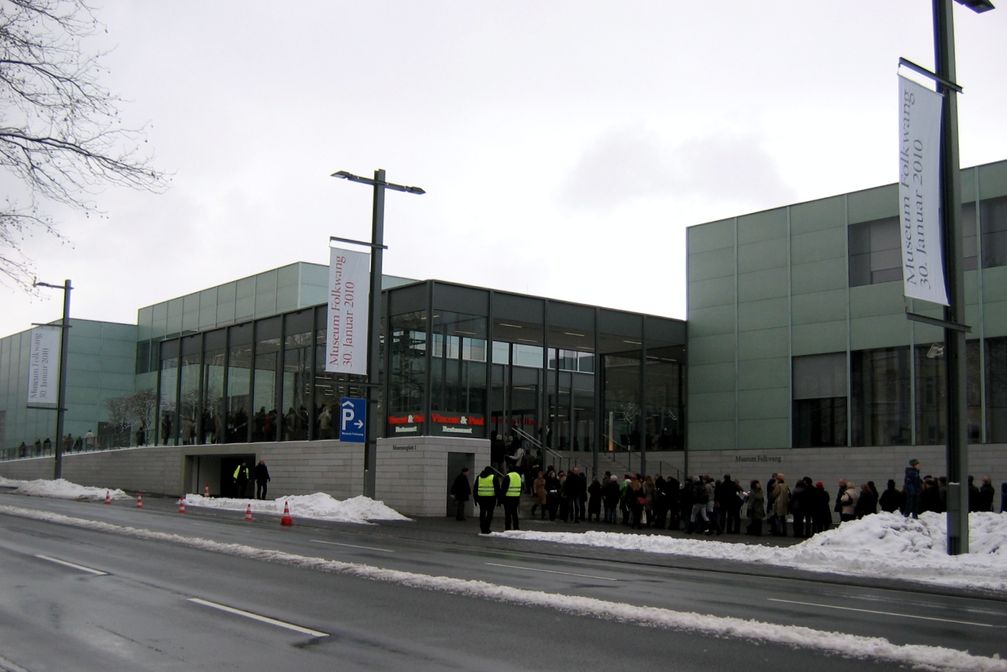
column 140, row 593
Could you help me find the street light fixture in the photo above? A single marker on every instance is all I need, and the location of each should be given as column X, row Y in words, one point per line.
column 61, row 393
column 377, row 246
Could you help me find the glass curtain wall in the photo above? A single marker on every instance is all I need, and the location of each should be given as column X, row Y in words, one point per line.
column 931, row 405
column 996, row 389
column 168, row 393
column 570, row 390
column 620, row 346
column 458, row 374
column 664, row 410
column 214, row 361
column 239, row 377
column 664, row 396
column 189, row 395
column 267, row 358
column 518, row 347
column 880, row 387
column 296, row 381
column 407, row 376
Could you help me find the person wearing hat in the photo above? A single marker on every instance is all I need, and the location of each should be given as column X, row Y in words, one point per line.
column 911, row 488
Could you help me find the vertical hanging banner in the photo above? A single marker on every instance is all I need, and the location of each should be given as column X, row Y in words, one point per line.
column 920, row 192
column 349, row 298
column 43, row 366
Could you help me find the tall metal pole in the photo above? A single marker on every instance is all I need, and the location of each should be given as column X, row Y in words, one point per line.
column 377, row 246
column 374, row 332
column 954, row 339
column 61, row 394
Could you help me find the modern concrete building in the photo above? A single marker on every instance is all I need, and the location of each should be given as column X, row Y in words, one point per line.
column 236, row 373
column 801, row 358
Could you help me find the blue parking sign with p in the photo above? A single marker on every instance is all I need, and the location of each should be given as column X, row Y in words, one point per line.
column 353, row 420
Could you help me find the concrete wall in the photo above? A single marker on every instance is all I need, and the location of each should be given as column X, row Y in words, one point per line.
column 859, row 465
column 296, row 468
column 412, row 473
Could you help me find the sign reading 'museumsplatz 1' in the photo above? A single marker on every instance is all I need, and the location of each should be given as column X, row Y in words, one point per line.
column 919, row 192
column 349, row 297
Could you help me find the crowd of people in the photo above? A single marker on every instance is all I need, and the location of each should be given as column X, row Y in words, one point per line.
column 704, row 505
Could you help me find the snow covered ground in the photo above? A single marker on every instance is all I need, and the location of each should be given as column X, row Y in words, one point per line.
column 883, row 545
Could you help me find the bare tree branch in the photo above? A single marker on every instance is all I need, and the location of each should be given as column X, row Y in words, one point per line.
column 61, row 137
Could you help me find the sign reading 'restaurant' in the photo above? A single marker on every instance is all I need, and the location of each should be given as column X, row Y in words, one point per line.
column 349, row 297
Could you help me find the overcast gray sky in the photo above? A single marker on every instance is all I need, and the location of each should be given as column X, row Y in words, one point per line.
column 564, row 145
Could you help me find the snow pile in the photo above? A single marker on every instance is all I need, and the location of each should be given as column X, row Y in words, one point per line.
column 61, row 489
column 318, row 506
column 885, row 545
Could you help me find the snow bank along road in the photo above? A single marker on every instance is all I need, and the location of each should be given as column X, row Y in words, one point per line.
column 817, row 641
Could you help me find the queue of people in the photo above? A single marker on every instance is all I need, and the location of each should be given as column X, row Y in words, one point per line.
column 703, row 505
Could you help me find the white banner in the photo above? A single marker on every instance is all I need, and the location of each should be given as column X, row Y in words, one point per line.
column 43, row 366
column 920, row 192
column 349, row 298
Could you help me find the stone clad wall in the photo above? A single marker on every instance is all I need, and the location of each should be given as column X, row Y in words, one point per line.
column 296, row 468
column 412, row 473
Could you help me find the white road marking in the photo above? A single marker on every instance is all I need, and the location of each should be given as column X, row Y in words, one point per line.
column 366, row 548
column 792, row 635
column 883, row 613
column 96, row 572
column 552, row 571
column 259, row 617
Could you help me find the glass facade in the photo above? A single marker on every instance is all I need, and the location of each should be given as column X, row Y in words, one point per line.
column 460, row 361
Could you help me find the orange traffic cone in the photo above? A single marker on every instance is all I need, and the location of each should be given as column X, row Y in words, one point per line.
column 248, row 514
column 181, row 504
column 139, row 500
column 108, row 498
column 206, row 491
column 286, row 520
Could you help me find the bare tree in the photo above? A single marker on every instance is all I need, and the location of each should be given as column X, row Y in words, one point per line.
column 60, row 133
column 133, row 412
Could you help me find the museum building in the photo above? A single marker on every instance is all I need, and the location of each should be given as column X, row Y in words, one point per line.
column 800, row 360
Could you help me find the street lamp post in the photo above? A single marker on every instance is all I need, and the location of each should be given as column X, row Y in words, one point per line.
column 374, row 311
column 954, row 314
column 61, row 393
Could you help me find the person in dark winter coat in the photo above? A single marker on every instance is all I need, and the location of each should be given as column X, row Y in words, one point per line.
column 594, row 501
column 610, row 497
column 891, row 499
column 261, row 476
column 756, row 509
column 821, row 517
column 912, row 488
column 461, row 490
column 867, row 502
column 986, row 495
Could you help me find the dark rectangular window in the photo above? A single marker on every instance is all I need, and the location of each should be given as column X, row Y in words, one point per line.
column 996, row 390
column 820, row 401
column 875, row 254
column 993, row 221
column 880, row 397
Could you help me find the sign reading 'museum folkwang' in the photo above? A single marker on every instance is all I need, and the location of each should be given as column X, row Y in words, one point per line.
column 349, row 298
column 43, row 366
column 919, row 192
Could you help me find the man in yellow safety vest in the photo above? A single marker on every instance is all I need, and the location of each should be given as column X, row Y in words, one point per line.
column 511, row 497
column 486, row 498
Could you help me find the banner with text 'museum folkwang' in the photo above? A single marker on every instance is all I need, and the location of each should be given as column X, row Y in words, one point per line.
column 349, row 298
column 919, row 192
column 43, row 366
